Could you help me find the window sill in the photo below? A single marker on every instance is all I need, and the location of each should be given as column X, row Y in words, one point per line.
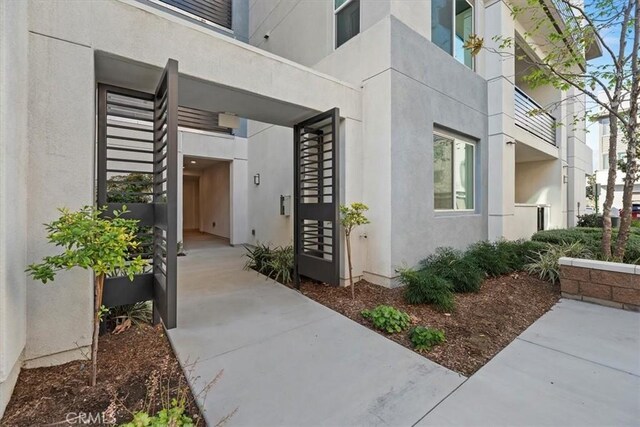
column 456, row 213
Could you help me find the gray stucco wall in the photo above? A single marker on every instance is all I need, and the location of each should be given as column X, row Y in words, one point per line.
column 13, row 192
column 431, row 89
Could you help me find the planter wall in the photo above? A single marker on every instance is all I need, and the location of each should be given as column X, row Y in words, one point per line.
column 607, row 283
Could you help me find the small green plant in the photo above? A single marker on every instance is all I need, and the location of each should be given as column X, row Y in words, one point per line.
column 387, row 318
column 425, row 287
column 423, row 338
column 352, row 216
column 90, row 240
column 454, row 266
column 546, row 264
column 173, row 416
column 276, row 263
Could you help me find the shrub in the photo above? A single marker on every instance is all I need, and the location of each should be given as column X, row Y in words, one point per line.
column 590, row 220
column 424, row 338
column 276, row 263
column 122, row 317
column 591, row 238
column 173, row 415
column 425, row 287
column 492, row 258
column 452, row 265
column 546, row 265
column 387, row 318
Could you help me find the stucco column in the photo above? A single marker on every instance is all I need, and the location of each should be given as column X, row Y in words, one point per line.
column 500, row 70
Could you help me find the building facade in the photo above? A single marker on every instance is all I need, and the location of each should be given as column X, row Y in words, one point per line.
column 437, row 142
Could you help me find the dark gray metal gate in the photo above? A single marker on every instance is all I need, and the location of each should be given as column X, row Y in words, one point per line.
column 137, row 167
column 316, row 194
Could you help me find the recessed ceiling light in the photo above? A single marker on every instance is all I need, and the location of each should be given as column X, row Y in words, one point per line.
column 193, row 162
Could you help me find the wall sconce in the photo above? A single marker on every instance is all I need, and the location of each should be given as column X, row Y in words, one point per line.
column 510, row 143
column 256, row 179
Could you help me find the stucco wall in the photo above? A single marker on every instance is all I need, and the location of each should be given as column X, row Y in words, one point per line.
column 423, row 97
column 271, row 156
column 13, row 191
column 541, row 183
column 61, row 169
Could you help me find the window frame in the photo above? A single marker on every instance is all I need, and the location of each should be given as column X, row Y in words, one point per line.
column 454, row 37
column 335, row 21
column 466, row 141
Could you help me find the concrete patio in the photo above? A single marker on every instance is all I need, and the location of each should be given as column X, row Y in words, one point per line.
column 289, row 361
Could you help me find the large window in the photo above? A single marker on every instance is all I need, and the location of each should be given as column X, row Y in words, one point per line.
column 451, row 25
column 453, row 173
column 347, row 17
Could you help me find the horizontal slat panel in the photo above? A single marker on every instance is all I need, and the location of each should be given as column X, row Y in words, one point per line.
column 121, row 290
column 541, row 125
column 216, row 11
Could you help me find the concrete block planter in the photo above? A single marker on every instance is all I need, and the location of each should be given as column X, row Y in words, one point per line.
column 607, row 283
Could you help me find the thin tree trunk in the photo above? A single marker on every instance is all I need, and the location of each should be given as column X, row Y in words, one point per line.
column 97, row 304
column 353, row 291
column 611, row 186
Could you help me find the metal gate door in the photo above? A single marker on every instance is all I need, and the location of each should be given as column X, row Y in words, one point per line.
column 316, row 194
column 137, row 167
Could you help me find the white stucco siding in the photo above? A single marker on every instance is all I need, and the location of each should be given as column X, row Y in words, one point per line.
column 13, row 192
column 60, row 174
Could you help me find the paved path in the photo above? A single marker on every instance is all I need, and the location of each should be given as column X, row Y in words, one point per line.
column 578, row 365
column 289, row 361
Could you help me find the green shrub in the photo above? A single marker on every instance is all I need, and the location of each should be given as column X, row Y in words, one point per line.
column 387, row 318
column 425, row 287
column 492, row 258
column 590, row 220
column 546, row 265
column 454, row 266
column 591, row 238
column 423, row 338
column 276, row 263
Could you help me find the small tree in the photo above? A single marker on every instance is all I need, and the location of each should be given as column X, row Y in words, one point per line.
column 352, row 216
column 91, row 240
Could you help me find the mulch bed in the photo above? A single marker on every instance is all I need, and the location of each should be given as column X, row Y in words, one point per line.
column 482, row 324
column 135, row 370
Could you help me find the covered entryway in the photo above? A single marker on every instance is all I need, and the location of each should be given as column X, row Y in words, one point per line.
column 122, row 154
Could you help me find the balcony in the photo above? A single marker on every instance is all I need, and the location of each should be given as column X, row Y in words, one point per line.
column 210, row 12
column 529, row 115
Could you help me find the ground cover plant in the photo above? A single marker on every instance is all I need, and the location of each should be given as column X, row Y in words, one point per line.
column 424, row 338
column 388, row 319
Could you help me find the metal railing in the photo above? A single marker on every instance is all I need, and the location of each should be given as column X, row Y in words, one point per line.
column 529, row 115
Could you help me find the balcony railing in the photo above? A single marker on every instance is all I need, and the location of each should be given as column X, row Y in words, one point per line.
column 529, row 115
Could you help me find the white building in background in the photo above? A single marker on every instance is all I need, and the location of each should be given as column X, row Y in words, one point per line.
column 438, row 143
column 602, row 173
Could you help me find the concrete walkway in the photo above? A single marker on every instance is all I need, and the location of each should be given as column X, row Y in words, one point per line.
column 578, row 365
column 287, row 360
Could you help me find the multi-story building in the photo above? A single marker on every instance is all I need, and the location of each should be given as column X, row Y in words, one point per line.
column 602, row 172
column 437, row 142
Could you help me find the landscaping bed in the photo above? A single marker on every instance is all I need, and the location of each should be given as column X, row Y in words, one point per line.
column 481, row 325
column 137, row 371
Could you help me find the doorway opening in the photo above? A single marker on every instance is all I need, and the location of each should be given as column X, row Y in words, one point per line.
column 206, row 201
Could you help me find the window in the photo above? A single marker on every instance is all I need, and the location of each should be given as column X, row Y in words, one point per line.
column 453, row 173
column 347, row 18
column 451, row 25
